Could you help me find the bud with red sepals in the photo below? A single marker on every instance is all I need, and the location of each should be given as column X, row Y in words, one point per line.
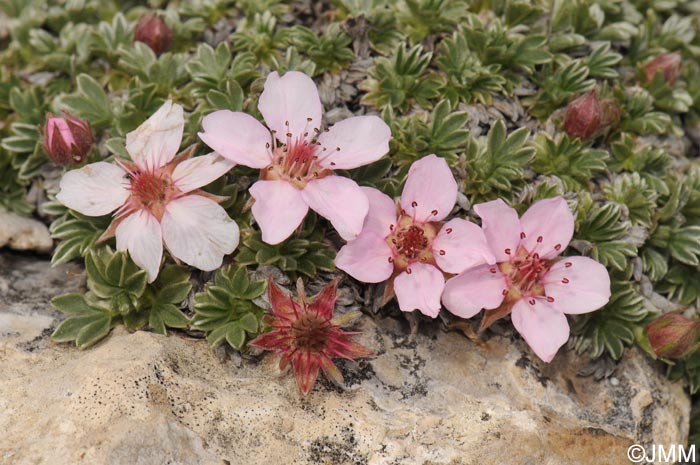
column 668, row 64
column 673, row 336
column 152, row 31
column 583, row 116
column 67, row 139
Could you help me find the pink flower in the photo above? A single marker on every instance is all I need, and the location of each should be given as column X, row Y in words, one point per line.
column 410, row 245
column 67, row 139
column 297, row 169
column 156, row 197
column 529, row 281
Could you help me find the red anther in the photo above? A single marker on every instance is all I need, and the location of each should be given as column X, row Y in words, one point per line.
column 557, row 247
column 507, row 251
column 442, row 252
column 434, row 212
column 565, row 280
column 568, row 264
column 550, row 299
column 531, row 301
column 408, row 271
column 493, row 270
column 505, row 292
column 448, row 230
column 522, row 235
column 414, row 204
column 391, row 259
column 540, row 239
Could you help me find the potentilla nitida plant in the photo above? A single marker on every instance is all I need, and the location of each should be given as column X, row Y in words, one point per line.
column 666, row 64
column 409, row 245
column 157, row 198
column 152, row 31
column 67, row 140
column 530, row 281
column 297, row 161
column 673, row 336
column 304, row 334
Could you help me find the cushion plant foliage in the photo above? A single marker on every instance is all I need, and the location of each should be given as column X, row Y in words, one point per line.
column 483, row 85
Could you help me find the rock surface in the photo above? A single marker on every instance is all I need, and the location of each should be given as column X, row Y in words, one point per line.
column 22, row 233
column 146, row 399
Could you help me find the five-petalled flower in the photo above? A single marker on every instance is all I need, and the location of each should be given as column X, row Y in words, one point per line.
column 297, row 161
column 530, row 281
column 304, row 334
column 157, row 198
column 409, row 245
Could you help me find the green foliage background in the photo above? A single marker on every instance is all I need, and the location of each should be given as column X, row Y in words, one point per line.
column 482, row 83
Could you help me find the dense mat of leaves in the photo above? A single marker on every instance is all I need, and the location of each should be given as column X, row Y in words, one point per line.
column 483, row 84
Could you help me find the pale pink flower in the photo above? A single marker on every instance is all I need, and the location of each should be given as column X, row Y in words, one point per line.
column 156, row 197
column 529, row 281
column 297, row 164
column 410, row 245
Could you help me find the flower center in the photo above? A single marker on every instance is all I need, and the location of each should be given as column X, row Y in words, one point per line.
column 310, row 332
column 410, row 242
column 296, row 160
column 151, row 190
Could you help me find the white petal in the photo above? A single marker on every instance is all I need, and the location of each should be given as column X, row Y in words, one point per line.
column 341, row 201
column 464, row 246
column 157, row 140
column 543, row 327
column 420, row 290
column 95, row 189
column 198, row 231
column 287, row 104
column 475, row 289
column 278, row 209
column 140, row 234
column 430, row 191
column 238, row 137
column 199, row 171
column 355, row 142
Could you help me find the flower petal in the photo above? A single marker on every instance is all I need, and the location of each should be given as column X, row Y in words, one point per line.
column 459, row 245
column 355, row 142
column 577, row 285
column 279, row 209
column 306, row 366
column 95, row 189
column 324, row 302
column 468, row 293
column 430, row 192
column 199, row 171
column 543, row 327
column 501, row 226
column 366, row 258
column 381, row 217
column 140, row 234
column 198, row 231
column 552, row 221
column 157, row 140
column 288, row 102
column 341, row 201
column 420, row 290
column 237, row 137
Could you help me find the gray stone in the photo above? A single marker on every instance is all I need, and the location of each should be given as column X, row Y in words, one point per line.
column 438, row 399
column 22, row 233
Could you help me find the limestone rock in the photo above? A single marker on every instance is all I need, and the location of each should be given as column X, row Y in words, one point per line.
column 146, row 399
column 22, row 233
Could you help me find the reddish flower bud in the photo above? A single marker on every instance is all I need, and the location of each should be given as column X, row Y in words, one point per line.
column 673, row 335
column 67, row 140
column 583, row 116
column 152, row 31
column 668, row 64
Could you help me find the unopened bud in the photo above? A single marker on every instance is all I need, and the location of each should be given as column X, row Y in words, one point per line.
column 67, row 140
column 152, row 31
column 668, row 64
column 583, row 116
column 673, row 336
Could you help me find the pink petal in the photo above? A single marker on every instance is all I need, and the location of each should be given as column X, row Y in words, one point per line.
column 361, row 140
column 341, row 201
column 548, row 226
column 279, row 209
column 420, row 290
column 198, row 231
column 140, row 234
column 459, row 245
column 55, row 123
column 501, row 226
column 468, row 293
column 95, row 189
column 366, row 258
column 237, row 137
column 288, row 102
column 381, row 217
column 199, row 171
column 431, row 187
column 543, row 327
column 157, row 140
column 587, row 289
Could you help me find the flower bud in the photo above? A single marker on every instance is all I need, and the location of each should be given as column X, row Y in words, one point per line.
column 674, row 336
column 67, row 140
column 152, row 31
column 668, row 64
column 583, row 116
